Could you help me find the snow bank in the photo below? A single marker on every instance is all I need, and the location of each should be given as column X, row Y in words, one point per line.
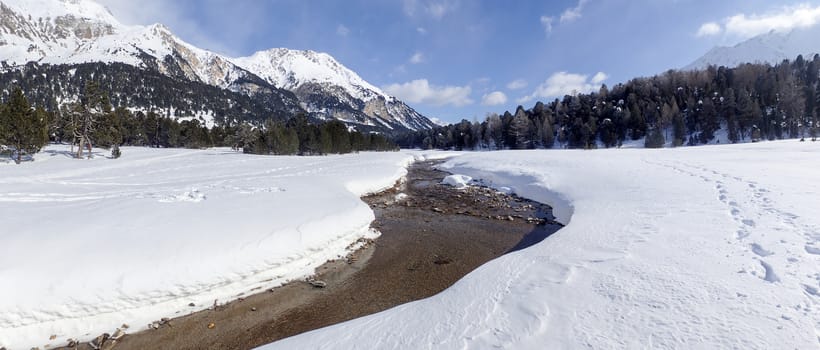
column 457, row 181
column 88, row 245
column 701, row 247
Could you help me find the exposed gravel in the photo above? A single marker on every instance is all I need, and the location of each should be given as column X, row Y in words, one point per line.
column 432, row 235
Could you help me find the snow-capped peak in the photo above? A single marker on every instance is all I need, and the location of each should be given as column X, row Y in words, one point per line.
column 79, row 31
column 772, row 47
column 290, row 69
column 51, row 9
column 82, row 31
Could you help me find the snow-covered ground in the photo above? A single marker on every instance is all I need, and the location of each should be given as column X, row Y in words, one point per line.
column 714, row 247
column 699, row 247
column 87, row 245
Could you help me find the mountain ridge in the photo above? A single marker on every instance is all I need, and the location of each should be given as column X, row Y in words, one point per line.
column 772, row 47
column 83, row 31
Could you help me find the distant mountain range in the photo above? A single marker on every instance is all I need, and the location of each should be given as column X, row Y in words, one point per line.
column 772, row 47
column 76, row 33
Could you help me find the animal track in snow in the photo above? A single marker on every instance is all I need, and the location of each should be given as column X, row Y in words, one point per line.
column 812, row 250
column 741, row 197
column 193, row 196
column 760, row 251
column 770, row 276
column 811, row 290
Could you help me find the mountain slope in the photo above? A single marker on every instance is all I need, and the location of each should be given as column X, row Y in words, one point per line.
column 52, row 86
column 67, row 34
column 772, row 47
column 82, row 31
column 328, row 88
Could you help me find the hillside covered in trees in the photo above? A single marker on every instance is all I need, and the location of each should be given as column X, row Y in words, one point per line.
column 51, row 86
column 91, row 121
column 248, row 99
column 749, row 103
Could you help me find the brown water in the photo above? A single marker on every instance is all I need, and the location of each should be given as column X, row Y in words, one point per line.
column 429, row 240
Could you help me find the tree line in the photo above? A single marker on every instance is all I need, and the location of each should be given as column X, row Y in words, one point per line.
column 751, row 102
column 170, row 93
column 298, row 136
column 91, row 121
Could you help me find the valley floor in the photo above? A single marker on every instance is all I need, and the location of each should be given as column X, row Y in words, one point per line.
column 422, row 250
column 699, row 247
column 89, row 245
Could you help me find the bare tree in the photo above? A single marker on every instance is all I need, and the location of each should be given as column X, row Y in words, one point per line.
column 85, row 116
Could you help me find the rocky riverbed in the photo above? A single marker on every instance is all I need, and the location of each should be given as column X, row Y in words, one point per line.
column 432, row 235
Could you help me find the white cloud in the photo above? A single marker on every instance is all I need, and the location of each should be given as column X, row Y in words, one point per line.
column 421, row 30
column 410, row 7
column 341, row 30
column 494, row 98
column 709, row 29
column 783, row 19
column 420, row 91
column 176, row 16
column 436, row 9
column 523, row 100
column 517, row 84
column 562, row 83
column 547, row 23
column 801, row 16
column 571, row 14
column 599, row 78
column 482, row 80
column 399, row 70
column 438, row 122
column 417, row 58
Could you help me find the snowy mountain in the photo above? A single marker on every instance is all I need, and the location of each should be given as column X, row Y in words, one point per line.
column 82, row 31
column 328, row 88
column 772, row 47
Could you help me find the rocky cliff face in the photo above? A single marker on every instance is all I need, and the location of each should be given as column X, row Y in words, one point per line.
column 328, row 88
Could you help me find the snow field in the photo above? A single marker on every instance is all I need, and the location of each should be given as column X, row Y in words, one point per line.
column 88, row 245
column 696, row 248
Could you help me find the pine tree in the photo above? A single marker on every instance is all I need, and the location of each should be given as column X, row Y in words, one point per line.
column 109, row 130
column 520, row 130
column 815, row 122
column 655, row 138
column 747, row 115
column 22, row 128
column 710, row 122
column 678, row 130
column 493, row 135
column 152, row 129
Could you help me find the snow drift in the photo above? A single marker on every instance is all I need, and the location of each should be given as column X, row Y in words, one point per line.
column 88, row 245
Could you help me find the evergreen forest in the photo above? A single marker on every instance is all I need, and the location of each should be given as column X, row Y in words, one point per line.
column 93, row 122
column 752, row 102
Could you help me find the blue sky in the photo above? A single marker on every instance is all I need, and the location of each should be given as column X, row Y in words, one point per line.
column 454, row 59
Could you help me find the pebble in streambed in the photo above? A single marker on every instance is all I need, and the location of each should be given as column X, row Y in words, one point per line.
column 426, row 188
